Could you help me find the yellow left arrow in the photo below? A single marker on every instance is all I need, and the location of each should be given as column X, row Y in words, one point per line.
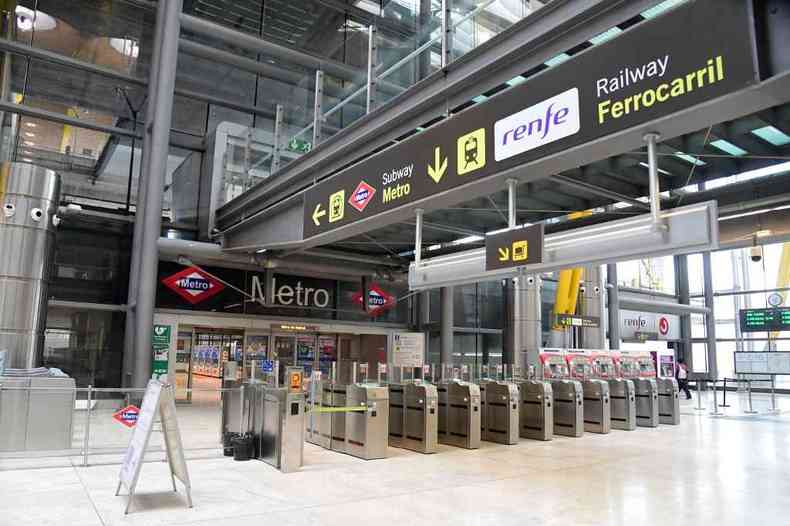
column 318, row 214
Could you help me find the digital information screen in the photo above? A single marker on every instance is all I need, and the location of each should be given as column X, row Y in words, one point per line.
column 765, row 320
column 762, row 362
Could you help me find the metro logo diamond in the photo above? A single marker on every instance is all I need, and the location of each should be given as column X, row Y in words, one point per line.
column 193, row 285
column 127, row 416
column 361, row 196
column 378, row 300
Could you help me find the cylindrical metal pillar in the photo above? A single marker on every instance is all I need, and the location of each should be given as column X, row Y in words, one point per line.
column 527, row 327
column 446, row 319
column 613, row 305
column 161, row 98
column 710, row 319
column 682, row 287
column 652, row 168
column 29, row 198
column 592, row 305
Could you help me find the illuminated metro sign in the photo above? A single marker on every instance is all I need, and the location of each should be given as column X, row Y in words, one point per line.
column 193, row 285
column 378, row 300
column 690, row 55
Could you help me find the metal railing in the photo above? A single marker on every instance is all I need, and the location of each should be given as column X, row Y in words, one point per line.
column 93, row 431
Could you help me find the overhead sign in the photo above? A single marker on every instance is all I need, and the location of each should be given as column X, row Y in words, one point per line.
column 765, row 320
column 575, row 320
column 772, row 362
column 193, row 285
column 659, row 67
column 641, row 326
column 515, row 248
column 127, row 416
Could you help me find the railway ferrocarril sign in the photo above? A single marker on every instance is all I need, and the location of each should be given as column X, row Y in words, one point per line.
column 693, row 53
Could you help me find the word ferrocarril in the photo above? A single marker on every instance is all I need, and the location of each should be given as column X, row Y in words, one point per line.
column 712, row 73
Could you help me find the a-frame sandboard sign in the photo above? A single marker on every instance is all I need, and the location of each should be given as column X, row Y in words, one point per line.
column 158, row 398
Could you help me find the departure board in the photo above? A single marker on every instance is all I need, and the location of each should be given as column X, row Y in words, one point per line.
column 762, row 320
column 774, row 362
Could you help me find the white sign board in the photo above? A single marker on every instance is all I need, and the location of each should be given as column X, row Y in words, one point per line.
column 158, row 397
column 762, row 362
column 408, row 349
column 658, row 326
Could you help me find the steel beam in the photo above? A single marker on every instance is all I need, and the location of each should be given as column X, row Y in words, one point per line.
column 661, row 306
column 446, row 319
column 447, row 32
column 597, row 190
column 613, row 305
column 373, row 58
column 318, row 108
column 160, row 98
column 710, row 317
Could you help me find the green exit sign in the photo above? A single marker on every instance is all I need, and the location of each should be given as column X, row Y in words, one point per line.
column 299, row 145
column 765, row 320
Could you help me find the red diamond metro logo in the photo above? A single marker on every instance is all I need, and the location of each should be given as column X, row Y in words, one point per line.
column 127, row 416
column 193, row 285
column 361, row 196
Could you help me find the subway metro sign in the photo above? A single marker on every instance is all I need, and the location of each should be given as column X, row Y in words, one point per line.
column 696, row 52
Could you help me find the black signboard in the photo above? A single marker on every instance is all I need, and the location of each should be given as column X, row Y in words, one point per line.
column 515, row 248
column 692, row 54
column 575, row 320
column 765, row 320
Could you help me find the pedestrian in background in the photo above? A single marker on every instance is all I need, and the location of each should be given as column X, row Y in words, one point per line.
column 682, row 375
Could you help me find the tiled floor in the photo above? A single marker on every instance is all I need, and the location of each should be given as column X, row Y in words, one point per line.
column 725, row 470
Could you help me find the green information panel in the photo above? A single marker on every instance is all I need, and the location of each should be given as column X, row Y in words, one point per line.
column 765, row 320
column 160, row 345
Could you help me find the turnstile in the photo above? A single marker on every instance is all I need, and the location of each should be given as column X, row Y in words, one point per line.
column 319, row 425
column 499, row 412
column 366, row 431
column 414, row 417
column 568, row 408
column 646, row 402
column 597, row 409
column 622, row 394
column 668, row 401
column 337, row 421
column 278, row 426
column 536, row 414
column 459, row 414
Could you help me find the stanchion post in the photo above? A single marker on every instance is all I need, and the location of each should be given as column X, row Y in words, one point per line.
column 715, row 411
column 724, row 402
column 773, row 394
column 751, row 410
column 87, row 439
column 699, row 395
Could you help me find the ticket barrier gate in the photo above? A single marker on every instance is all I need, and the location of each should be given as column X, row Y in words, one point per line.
column 668, row 401
column 366, row 431
column 319, row 424
column 414, row 417
column 597, row 406
column 646, row 389
column 622, row 393
column 536, row 411
column 499, row 421
column 459, row 414
column 568, row 395
column 274, row 415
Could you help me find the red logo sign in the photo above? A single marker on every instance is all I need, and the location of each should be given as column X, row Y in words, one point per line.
column 663, row 326
column 127, row 416
column 361, row 196
column 193, row 285
column 378, row 300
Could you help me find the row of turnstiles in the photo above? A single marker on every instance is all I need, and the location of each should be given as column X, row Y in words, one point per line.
column 566, row 392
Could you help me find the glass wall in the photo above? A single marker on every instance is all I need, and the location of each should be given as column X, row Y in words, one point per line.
column 653, row 274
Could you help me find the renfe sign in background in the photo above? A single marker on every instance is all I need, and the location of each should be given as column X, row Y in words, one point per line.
column 694, row 53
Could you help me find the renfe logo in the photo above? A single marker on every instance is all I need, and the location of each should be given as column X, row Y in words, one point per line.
column 193, row 285
column 663, row 326
column 538, row 125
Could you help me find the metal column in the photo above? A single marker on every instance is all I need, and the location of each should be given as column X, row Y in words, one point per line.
column 613, row 305
column 592, row 305
column 446, row 317
column 372, row 65
column 318, row 108
column 652, row 165
column 278, row 139
column 528, row 329
column 447, row 32
column 682, row 287
column 161, row 98
column 139, row 214
column 710, row 318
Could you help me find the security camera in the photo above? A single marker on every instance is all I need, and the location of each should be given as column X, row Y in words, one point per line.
column 756, row 253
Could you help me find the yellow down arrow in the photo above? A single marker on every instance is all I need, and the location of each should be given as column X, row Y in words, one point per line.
column 436, row 172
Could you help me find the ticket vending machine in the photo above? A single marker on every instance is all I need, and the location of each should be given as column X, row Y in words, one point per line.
column 568, row 394
column 597, row 407
column 413, row 415
column 668, row 389
column 629, row 366
column 499, row 420
column 622, row 392
column 459, row 413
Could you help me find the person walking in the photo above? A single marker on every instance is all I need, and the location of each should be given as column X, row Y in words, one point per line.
column 682, row 375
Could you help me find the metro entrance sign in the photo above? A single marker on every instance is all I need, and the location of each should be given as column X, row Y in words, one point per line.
column 657, row 68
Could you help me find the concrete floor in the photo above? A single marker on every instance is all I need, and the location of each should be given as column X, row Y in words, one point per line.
column 725, row 470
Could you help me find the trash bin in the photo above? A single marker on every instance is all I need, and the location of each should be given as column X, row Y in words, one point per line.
column 242, row 447
column 227, row 443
